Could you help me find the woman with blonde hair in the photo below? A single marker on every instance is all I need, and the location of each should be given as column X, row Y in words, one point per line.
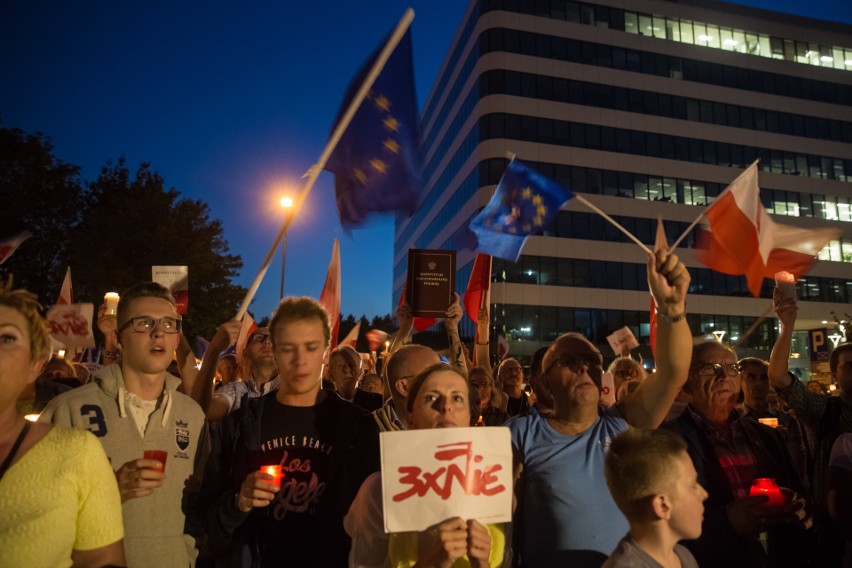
column 58, row 493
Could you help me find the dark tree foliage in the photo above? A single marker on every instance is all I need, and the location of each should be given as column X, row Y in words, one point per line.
column 110, row 232
column 42, row 195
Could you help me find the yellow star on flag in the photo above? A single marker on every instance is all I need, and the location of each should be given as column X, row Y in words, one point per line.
column 379, row 165
column 391, row 123
column 360, row 176
column 382, row 102
column 526, row 193
column 536, row 200
column 391, row 145
column 541, row 210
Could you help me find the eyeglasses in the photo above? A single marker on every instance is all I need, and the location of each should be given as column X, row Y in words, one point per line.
column 713, row 369
column 576, row 363
column 259, row 338
column 147, row 324
column 481, row 384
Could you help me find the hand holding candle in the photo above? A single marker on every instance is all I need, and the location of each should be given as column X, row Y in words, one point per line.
column 767, row 486
column 275, row 472
column 255, row 492
column 771, row 422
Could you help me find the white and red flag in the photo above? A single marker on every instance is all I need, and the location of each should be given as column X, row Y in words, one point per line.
column 477, row 286
column 743, row 239
column 351, row 338
column 246, row 329
column 330, row 296
column 66, row 294
column 10, row 245
column 376, row 338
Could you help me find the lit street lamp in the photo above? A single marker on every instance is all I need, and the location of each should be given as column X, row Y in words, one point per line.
column 287, row 204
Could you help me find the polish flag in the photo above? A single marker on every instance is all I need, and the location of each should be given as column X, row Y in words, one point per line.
column 352, row 337
column 477, row 286
column 66, row 295
column 743, row 239
column 246, row 329
column 376, row 338
column 10, row 245
column 419, row 323
column 659, row 242
column 330, row 296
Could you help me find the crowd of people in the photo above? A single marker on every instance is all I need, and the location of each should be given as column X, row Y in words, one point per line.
column 154, row 461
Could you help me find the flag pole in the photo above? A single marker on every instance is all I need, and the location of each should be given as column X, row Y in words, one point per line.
column 700, row 215
column 614, row 223
column 753, row 326
column 314, row 172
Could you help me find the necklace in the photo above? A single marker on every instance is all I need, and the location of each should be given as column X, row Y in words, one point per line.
column 8, row 461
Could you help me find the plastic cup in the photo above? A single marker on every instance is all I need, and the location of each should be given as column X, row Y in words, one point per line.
column 275, row 472
column 786, row 283
column 158, row 455
column 111, row 303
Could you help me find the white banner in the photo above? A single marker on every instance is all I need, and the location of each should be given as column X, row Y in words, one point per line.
column 429, row 476
column 176, row 279
column 71, row 325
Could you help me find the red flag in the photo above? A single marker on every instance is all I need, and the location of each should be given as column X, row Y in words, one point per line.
column 10, row 245
column 659, row 242
column 743, row 238
column 479, row 283
column 330, row 297
column 66, row 295
column 419, row 323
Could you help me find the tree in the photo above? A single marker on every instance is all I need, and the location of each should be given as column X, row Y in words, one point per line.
column 110, row 232
column 43, row 196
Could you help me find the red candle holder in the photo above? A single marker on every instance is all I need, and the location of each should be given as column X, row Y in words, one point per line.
column 275, row 472
column 767, row 486
column 158, row 455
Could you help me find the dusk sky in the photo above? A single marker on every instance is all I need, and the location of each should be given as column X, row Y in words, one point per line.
column 231, row 103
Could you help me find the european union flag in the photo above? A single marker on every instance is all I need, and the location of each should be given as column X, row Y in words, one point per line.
column 524, row 202
column 376, row 162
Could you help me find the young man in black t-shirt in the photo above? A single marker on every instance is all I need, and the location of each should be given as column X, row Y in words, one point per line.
column 309, row 431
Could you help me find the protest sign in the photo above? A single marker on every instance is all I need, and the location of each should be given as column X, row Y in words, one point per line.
column 622, row 341
column 176, row 279
column 429, row 476
column 71, row 325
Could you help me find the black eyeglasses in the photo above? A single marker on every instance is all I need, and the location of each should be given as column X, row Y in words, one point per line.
column 147, row 324
column 713, row 369
column 259, row 338
column 576, row 363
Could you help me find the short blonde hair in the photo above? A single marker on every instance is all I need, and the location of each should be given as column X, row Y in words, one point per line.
column 640, row 464
column 26, row 304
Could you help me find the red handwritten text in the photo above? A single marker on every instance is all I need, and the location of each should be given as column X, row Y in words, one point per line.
column 472, row 480
column 74, row 324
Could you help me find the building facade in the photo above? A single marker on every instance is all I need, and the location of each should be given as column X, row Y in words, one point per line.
column 646, row 108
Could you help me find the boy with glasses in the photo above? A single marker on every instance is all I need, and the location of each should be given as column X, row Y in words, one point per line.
column 132, row 407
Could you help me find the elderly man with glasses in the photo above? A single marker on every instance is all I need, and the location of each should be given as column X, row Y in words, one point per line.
column 566, row 516
column 133, row 407
column 730, row 452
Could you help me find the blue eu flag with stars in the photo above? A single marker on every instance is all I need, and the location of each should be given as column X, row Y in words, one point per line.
column 376, row 162
column 524, row 202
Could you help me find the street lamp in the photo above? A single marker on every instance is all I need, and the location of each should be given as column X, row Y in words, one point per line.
column 287, row 204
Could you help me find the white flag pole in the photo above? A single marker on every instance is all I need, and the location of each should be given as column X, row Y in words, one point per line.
column 697, row 219
column 314, row 171
column 614, row 223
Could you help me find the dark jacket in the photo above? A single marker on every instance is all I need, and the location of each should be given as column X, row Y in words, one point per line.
column 718, row 544
column 228, row 529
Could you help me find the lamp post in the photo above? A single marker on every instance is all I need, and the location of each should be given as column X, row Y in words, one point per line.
column 287, row 204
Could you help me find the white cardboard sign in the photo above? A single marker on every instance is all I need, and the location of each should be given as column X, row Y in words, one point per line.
column 621, row 338
column 71, row 325
column 429, row 476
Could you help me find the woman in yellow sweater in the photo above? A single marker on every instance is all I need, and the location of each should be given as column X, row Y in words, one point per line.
column 58, row 495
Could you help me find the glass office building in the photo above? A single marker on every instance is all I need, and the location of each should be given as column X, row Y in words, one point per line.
column 646, row 108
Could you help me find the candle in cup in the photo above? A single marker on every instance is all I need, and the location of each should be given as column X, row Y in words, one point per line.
column 767, row 486
column 786, row 284
column 275, row 472
column 158, row 455
column 771, row 422
column 111, row 302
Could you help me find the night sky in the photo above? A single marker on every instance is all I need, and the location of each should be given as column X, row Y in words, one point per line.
column 231, row 103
